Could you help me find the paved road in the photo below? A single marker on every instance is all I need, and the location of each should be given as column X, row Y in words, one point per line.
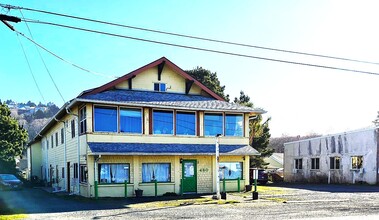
column 293, row 202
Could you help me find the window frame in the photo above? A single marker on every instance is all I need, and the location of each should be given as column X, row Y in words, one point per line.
column 72, row 128
column 169, row 178
column 231, row 162
column 222, row 123
column 176, row 122
column 76, row 175
column 62, row 135
column 119, row 119
column 52, row 141
column 358, row 157
column 99, row 173
column 106, row 107
column 83, row 173
column 160, row 84
column 298, row 163
column 172, row 122
column 333, row 163
column 83, row 120
column 56, row 139
column 315, row 163
column 242, row 126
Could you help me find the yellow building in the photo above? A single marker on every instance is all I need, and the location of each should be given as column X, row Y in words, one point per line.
column 153, row 129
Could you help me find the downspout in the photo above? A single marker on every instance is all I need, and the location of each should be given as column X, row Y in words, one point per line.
column 64, row 151
column 78, row 144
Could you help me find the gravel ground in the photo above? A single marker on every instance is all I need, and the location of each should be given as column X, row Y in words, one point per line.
column 284, row 202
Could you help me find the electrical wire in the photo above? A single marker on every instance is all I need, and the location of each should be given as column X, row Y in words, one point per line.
column 188, row 36
column 64, row 60
column 202, row 49
column 30, row 69
column 43, row 61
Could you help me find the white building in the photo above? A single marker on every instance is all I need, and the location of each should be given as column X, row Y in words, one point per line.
column 350, row 157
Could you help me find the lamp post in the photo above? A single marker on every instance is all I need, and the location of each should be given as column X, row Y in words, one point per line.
column 218, row 195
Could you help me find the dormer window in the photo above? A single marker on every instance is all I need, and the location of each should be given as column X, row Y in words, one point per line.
column 160, row 87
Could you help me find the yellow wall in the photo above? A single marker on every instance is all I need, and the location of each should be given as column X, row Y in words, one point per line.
column 146, row 79
column 36, row 162
column 205, row 175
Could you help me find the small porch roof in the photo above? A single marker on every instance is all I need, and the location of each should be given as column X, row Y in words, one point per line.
column 102, row 148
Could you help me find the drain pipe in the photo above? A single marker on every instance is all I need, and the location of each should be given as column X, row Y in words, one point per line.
column 94, row 174
column 78, row 144
column 64, row 151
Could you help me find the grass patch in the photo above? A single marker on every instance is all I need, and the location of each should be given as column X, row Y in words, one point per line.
column 14, row 216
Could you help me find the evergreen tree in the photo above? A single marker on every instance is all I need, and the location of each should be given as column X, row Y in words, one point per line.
column 12, row 140
column 210, row 80
column 259, row 134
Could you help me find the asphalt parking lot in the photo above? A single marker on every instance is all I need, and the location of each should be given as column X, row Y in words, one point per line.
column 275, row 202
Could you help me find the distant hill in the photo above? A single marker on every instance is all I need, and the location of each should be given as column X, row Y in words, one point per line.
column 278, row 143
column 32, row 116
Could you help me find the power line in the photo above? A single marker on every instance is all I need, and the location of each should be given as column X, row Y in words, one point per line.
column 201, row 49
column 30, row 69
column 188, row 36
column 43, row 61
column 64, row 60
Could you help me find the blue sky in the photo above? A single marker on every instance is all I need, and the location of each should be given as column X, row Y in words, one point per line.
column 299, row 99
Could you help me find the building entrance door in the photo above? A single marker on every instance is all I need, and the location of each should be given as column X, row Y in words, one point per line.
column 189, row 175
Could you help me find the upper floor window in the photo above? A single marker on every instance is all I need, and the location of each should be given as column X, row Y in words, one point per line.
column 233, row 125
column 315, row 163
column 185, row 123
column 335, row 163
column 161, row 87
column 130, row 120
column 83, row 120
column 105, row 119
column 52, row 141
column 163, row 122
column 356, row 162
column 72, row 128
column 213, row 124
column 56, row 138
column 62, row 135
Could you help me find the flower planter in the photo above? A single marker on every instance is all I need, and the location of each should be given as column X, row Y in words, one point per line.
column 138, row 192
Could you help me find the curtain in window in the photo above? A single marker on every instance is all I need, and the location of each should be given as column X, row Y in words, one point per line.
column 114, row 173
column 156, row 171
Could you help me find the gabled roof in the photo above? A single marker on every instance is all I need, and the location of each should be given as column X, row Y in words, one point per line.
column 132, row 74
column 104, row 148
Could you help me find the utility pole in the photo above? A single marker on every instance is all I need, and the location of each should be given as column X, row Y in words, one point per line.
column 6, row 18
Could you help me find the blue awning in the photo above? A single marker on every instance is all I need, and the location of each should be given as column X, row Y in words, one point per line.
column 105, row 148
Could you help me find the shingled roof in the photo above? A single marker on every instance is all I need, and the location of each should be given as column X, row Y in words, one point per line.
column 167, row 149
column 164, row 99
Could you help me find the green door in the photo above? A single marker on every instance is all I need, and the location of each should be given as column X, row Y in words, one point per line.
column 189, row 175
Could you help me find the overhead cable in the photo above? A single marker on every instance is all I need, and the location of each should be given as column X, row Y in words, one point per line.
column 189, row 36
column 30, row 69
column 64, row 60
column 202, row 49
column 43, row 61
